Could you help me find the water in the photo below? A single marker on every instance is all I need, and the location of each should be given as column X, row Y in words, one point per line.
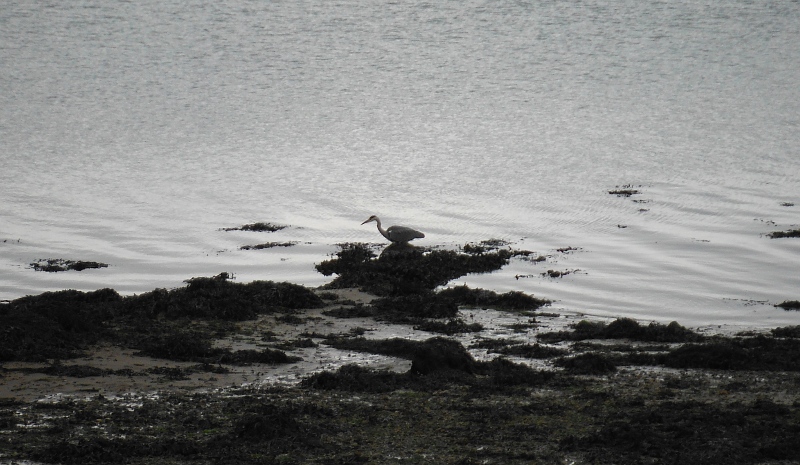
column 132, row 132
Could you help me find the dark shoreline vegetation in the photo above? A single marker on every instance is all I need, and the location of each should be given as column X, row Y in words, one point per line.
column 54, row 265
column 782, row 234
column 626, row 190
column 789, row 305
column 607, row 393
column 267, row 245
column 262, row 227
column 257, row 227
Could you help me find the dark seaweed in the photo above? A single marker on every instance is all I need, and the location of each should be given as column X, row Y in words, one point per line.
column 587, row 364
column 787, row 331
column 789, row 305
column 257, row 227
column 59, row 264
column 267, row 245
column 781, row 234
column 537, row 351
column 757, row 353
column 624, row 192
column 447, row 408
column 435, row 364
column 404, row 269
column 160, row 323
column 624, row 328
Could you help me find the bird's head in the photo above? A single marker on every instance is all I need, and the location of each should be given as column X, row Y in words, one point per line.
column 371, row 218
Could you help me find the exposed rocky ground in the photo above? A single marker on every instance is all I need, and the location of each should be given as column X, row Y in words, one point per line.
column 381, row 368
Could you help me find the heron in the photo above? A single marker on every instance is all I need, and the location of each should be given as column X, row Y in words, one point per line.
column 396, row 234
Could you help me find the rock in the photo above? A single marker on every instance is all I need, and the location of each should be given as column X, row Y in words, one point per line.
column 440, row 354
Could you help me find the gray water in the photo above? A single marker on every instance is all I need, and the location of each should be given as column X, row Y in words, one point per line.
column 132, row 132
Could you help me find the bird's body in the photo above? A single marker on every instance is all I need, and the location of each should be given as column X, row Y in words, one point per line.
column 396, row 234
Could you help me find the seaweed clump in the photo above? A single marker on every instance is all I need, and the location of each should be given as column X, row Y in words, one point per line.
column 257, row 227
column 760, row 353
column 624, row 191
column 789, row 305
column 424, row 310
column 432, row 355
column 178, row 324
column 267, row 245
column 512, row 300
column 218, row 297
column 781, row 234
column 54, row 265
column 589, row 363
column 196, row 346
column 787, row 331
column 406, row 277
column 624, row 328
column 404, row 269
column 486, row 246
column 436, row 363
column 55, row 324
column 535, row 351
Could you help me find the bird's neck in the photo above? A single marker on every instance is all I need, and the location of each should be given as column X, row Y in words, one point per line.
column 381, row 230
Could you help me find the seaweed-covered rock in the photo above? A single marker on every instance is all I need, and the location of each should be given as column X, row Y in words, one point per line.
column 54, row 265
column 268, row 245
column 218, row 297
column 719, row 355
column 54, row 324
column 757, row 353
column 354, row 378
column 406, row 308
column 781, row 234
column 624, row 328
column 789, row 305
column 267, row 422
column 587, row 364
column 513, row 300
column 440, row 354
column 445, row 304
column 257, row 227
column 62, row 324
column 449, row 327
column 503, row 372
column 437, row 363
column 179, row 345
column 405, row 278
column 403, row 270
column 537, row 351
column 787, row 331
column 431, row 355
column 196, row 346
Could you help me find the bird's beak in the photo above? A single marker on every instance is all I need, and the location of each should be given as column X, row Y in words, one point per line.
column 365, row 222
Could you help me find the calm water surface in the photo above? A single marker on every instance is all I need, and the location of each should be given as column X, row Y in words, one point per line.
column 132, row 132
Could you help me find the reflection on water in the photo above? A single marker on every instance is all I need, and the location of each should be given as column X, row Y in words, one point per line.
column 131, row 134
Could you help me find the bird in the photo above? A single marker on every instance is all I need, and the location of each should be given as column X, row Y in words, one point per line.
column 396, row 234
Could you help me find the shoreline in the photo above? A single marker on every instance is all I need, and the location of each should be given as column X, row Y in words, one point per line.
column 377, row 368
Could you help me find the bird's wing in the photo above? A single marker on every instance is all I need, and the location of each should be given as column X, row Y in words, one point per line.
column 403, row 233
